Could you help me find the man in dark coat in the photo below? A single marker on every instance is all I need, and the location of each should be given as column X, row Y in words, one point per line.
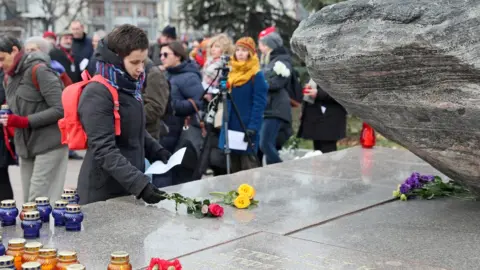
column 82, row 47
column 63, row 53
column 114, row 165
column 324, row 121
column 156, row 93
column 278, row 111
column 169, row 34
column 6, row 159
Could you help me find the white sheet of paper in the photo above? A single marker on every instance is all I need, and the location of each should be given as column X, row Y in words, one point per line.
column 235, row 140
column 324, row 109
column 83, row 65
column 159, row 167
column 211, row 90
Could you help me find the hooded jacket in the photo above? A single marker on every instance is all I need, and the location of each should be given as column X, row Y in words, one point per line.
column 43, row 107
column 113, row 165
column 185, row 82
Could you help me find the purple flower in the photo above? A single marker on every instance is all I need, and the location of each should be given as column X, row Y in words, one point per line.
column 427, row 178
column 413, row 182
column 405, row 188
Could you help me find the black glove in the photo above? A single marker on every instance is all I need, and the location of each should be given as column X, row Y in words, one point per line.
column 163, row 155
column 152, row 195
column 250, row 133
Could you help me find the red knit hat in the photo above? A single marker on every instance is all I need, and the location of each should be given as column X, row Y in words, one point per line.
column 267, row 31
column 49, row 34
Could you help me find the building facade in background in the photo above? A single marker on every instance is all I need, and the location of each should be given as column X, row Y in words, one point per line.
column 107, row 14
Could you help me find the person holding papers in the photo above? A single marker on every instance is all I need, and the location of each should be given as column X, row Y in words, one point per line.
column 114, row 165
column 248, row 88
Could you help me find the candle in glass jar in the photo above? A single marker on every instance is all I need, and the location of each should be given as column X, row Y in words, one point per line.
column 119, row 260
column 44, row 207
column 70, row 198
column 66, row 258
column 47, row 257
column 27, row 207
column 74, row 192
column 2, row 247
column 16, row 248
column 8, row 212
column 31, row 225
column 7, row 262
column 32, row 249
column 73, row 218
column 59, row 212
column 76, row 267
column 31, row 266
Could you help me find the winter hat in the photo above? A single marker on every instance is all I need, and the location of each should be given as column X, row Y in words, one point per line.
column 272, row 40
column 65, row 33
column 49, row 34
column 267, row 31
column 248, row 43
column 170, row 31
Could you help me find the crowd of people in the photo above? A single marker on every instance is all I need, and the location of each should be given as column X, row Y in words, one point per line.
column 138, row 103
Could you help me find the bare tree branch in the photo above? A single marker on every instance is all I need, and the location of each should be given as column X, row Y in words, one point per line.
column 81, row 6
column 7, row 8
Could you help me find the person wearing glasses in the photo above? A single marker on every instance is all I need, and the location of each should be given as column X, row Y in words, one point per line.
column 185, row 86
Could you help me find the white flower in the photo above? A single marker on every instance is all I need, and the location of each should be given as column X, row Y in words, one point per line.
column 281, row 69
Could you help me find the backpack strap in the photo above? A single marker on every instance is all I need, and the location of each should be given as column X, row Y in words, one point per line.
column 86, row 75
column 116, row 103
column 34, row 76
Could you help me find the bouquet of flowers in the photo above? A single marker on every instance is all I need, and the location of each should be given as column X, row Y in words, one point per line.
column 199, row 209
column 160, row 264
column 241, row 198
column 427, row 187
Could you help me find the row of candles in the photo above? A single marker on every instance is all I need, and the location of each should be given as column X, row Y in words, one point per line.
column 65, row 213
column 21, row 255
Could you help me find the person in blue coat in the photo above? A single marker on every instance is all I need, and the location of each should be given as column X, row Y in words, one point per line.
column 249, row 92
column 185, row 82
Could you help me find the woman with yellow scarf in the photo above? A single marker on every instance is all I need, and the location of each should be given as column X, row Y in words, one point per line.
column 248, row 88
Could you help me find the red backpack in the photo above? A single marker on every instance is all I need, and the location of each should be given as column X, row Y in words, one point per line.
column 63, row 77
column 70, row 126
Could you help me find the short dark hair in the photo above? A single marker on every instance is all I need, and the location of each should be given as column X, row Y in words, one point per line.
column 177, row 49
column 127, row 38
column 7, row 43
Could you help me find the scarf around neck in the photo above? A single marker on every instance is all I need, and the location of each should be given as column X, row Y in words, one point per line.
column 243, row 71
column 120, row 79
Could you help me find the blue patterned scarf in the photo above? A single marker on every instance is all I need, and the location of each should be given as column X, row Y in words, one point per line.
column 121, row 80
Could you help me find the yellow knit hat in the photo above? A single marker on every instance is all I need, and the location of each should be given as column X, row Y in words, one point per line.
column 248, row 43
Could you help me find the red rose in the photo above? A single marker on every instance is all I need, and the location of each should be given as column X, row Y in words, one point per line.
column 216, row 210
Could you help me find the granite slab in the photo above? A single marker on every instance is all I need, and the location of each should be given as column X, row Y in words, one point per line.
column 301, row 193
column 288, row 200
column 270, row 251
column 143, row 232
column 438, row 232
column 381, row 165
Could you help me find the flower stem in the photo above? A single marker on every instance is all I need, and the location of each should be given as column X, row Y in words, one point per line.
column 218, row 194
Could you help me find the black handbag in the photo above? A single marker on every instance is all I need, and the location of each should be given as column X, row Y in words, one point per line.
column 192, row 138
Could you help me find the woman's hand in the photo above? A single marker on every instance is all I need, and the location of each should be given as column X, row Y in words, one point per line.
column 13, row 120
column 208, row 97
column 312, row 92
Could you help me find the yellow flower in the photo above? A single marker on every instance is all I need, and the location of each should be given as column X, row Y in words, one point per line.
column 242, row 201
column 396, row 193
column 245, row 189
column 403, row 197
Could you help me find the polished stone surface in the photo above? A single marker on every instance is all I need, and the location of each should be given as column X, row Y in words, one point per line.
column 270, row 251
column 379, row 165
column 304, row 192
column 143, row 232
column 441, row 232
column 288, row 200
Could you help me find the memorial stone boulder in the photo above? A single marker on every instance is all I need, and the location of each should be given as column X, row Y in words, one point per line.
column 410, row 68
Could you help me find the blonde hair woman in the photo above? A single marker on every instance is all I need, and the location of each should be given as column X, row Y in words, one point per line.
column 218, row 45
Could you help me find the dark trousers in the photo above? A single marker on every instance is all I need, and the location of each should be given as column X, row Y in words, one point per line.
column 325, row 146
column 268, row 140
column 243, row 162
column 6, row 192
